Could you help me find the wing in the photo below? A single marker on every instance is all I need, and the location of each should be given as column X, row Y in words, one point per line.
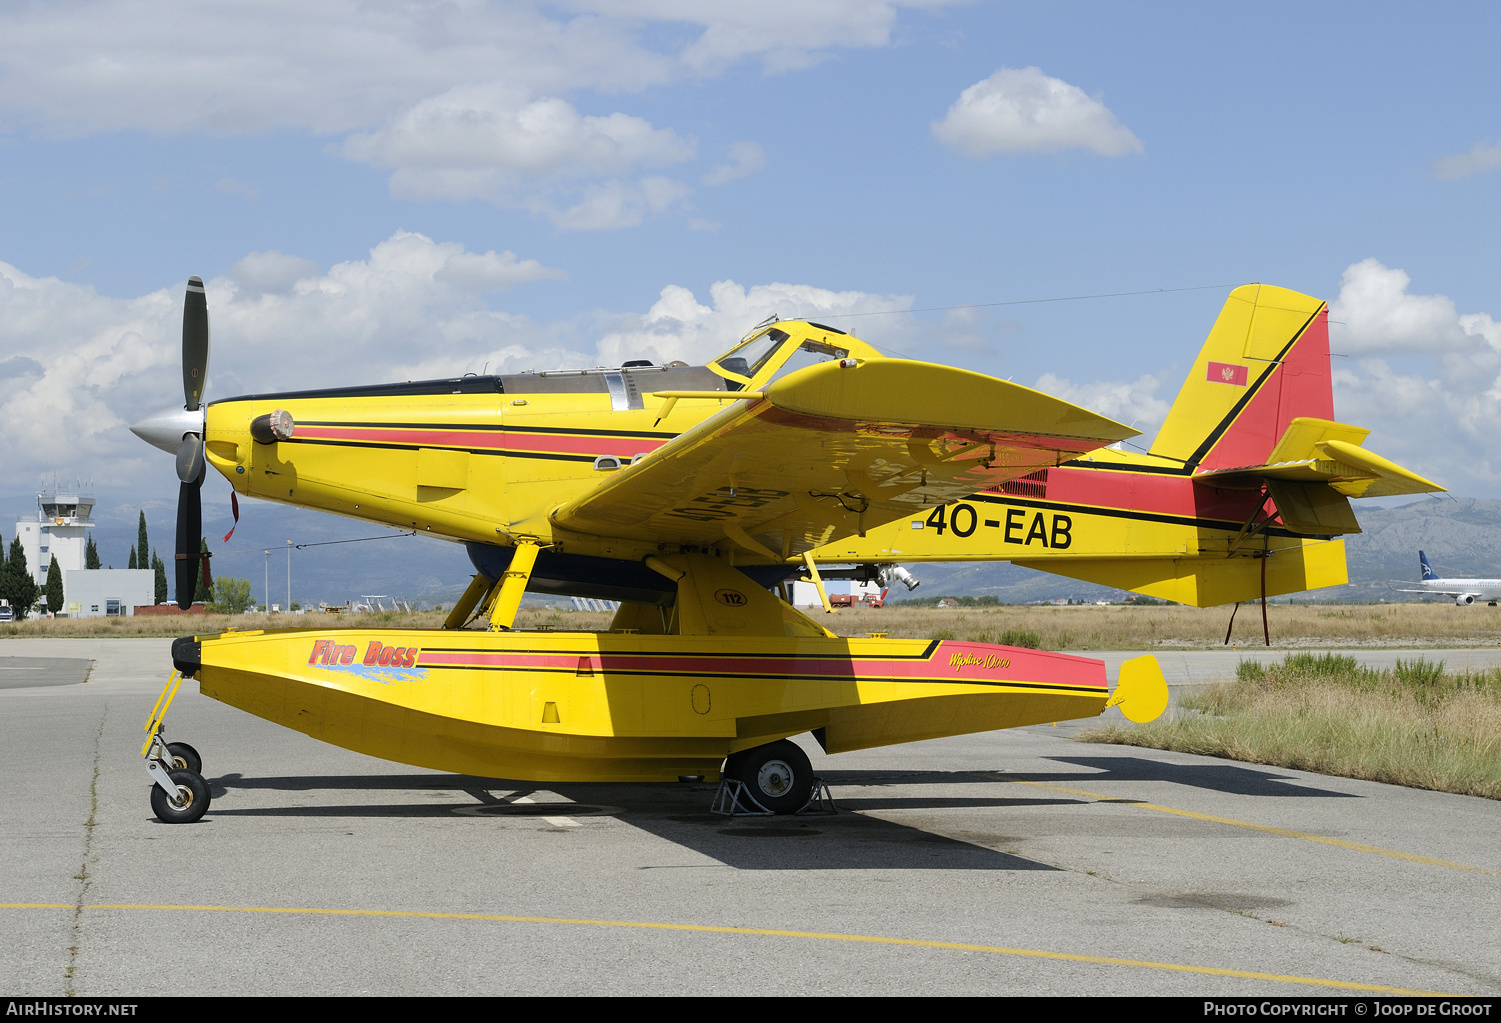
column 833, row 450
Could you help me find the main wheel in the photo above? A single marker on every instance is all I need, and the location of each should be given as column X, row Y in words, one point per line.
column 192, row 795
column 184, row 758
column 779, row 775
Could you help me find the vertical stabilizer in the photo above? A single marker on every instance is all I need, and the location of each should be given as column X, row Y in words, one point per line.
column 1265, row 362
column 1428, row 572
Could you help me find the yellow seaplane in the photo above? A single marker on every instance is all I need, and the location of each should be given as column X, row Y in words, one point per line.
column 693, row 495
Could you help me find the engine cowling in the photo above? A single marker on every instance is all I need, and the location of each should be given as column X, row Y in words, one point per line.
column 1465, row 599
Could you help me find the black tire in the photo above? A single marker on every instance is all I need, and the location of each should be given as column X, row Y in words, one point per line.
column 731, row 768
column 778, row 775
column 182, row 757
column 190, row 787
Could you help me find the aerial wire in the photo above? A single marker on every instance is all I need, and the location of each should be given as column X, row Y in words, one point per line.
column 1024, row 301
column 1018, row 301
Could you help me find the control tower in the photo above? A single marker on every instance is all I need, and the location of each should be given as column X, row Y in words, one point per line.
column 64, row 515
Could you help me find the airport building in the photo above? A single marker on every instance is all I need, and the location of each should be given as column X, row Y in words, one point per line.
column 64, row 516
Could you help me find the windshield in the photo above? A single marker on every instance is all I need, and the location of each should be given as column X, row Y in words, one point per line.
column 746, row 359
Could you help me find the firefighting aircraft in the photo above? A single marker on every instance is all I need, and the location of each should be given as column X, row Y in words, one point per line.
column 692, row 494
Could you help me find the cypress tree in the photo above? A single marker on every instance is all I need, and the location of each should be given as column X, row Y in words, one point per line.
column 16, row 583
column 54, row 587
column 90, row 553
column 161, row 578
column 141, row 546
column 132, row 558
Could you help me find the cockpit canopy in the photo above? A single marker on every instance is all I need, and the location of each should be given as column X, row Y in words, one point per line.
column 772, row 352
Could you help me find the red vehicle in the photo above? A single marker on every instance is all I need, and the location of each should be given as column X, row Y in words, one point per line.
column 851, row 599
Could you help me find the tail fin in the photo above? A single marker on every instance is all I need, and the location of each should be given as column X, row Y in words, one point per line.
column 1428, row 572
column 1266, row 361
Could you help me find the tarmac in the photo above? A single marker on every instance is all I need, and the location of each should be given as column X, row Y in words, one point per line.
column 1016, row 862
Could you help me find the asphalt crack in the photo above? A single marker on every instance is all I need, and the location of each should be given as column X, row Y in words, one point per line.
column 85, row 877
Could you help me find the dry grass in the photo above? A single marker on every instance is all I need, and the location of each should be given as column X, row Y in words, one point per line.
column 1122, row 627
column 1415, row 725
column 1091, row 627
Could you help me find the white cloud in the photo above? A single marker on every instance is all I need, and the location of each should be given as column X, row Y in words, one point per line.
column 1483, row 157
column 1136, row 403
column 247, row 66
column 485, row 141
column 744, row 158
column 271, row 271
column 615, row 204
column 459, row 100
column 78, row 367
column 1380, row 316
column 1425, row 377
column 1025, row 111
column 678, row 326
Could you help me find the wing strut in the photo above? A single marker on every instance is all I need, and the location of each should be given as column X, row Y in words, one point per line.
column 817, row 581
column 513, row 580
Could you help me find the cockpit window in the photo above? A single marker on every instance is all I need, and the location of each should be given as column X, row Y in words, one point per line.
column 747, row 359
column 810, row 353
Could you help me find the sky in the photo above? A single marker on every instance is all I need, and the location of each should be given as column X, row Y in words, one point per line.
column 392, row 190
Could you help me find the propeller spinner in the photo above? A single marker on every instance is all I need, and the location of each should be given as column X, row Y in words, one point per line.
column 180, row 432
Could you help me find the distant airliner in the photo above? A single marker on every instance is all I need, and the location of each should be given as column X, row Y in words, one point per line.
column 1464, row 591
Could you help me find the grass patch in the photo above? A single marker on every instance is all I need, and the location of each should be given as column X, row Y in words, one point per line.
column 1082, row 628
column 1414, row 725
column 1123, row 627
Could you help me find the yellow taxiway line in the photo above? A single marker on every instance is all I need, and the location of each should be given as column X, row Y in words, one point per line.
column 955, row 946
column 1284, row 832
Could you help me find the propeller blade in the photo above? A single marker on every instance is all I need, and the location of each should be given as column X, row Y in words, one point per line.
column 190, row 459
column 194, row 343
column 189, row 538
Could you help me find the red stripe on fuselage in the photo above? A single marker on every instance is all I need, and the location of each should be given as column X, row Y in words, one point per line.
column 1155, row 493
column 482, row 440
column 1020, row 666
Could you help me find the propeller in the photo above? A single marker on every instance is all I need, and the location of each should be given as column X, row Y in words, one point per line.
column 180, row 432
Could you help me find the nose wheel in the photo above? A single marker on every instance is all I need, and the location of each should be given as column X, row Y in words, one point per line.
column 183, row 757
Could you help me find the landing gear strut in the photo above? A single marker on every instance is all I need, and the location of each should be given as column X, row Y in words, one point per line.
column 179, row 795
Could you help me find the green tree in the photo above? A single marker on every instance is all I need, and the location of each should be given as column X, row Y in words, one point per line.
column 16, row 583
column 161, row 578
column 141, row 546
column 201, row 592
column 90, row 553
column 231, row 595
column 132, row 563
column 54, row 587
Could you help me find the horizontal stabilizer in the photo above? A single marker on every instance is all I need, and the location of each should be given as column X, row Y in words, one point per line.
column 1315, row 465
